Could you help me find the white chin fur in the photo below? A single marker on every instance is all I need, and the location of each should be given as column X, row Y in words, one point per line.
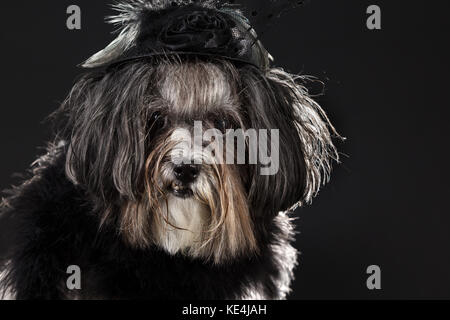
column 187, row 218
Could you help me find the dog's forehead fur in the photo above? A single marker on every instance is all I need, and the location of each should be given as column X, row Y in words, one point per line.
column 193, row 90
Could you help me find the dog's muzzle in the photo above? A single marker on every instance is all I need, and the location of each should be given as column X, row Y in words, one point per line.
column 185, row 175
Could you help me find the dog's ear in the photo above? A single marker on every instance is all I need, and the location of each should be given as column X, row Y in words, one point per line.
column 105, row 125
column 275, row 101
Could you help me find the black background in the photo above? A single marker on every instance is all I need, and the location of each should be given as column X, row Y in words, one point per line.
column 386, row 91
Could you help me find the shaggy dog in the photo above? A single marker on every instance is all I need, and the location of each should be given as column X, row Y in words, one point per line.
column 122, row 195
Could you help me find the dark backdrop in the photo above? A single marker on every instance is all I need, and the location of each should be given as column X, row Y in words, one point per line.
column 386, row 91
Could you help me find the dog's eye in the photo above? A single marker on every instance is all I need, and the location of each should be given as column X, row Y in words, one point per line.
column 222, row 124
column 157, row 121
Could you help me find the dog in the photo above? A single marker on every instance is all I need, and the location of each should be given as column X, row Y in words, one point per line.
column 143, row 212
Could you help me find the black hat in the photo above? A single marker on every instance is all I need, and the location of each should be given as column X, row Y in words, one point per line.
column 184, row 27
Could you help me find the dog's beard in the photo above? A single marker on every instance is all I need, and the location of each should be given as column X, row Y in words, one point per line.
column 207, row 219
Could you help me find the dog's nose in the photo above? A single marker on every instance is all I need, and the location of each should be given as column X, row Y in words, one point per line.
column 186, row 173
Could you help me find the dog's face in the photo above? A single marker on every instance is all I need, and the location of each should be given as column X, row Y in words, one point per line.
column 199, row 203
column 150, row 142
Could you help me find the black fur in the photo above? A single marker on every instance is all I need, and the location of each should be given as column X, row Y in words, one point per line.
column 98, row 166
column 58, row 228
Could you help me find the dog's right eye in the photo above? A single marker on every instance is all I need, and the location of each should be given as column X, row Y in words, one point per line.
column 157, row 121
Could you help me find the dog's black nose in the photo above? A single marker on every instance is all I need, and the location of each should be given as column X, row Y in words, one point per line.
column 186, row 173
